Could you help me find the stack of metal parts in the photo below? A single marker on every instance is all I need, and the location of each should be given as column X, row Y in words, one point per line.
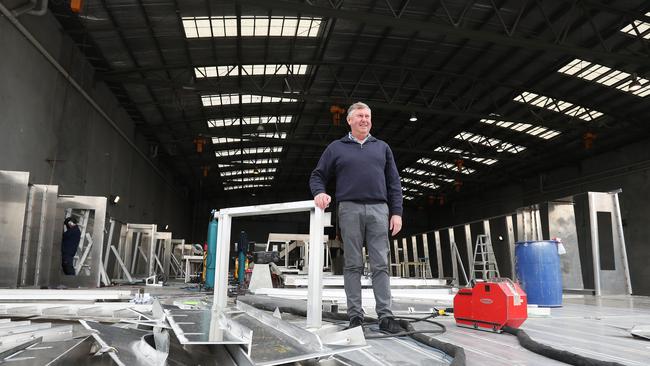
column 31, row 228
column 90, row 327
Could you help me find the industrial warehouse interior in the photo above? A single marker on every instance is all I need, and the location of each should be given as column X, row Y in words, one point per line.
column 166, row 169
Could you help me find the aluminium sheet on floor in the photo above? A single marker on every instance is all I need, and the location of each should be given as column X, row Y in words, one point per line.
column 590, row 329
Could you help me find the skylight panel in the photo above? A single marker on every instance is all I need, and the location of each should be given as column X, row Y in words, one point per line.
column 409, row 193
column 605, row 76
column 499, row 145
column 409, row 190
column 485, row 161
column 226, row 140
column 643, row 28
column 250, row 70
column 465, row 155
column 416, row 171
column 276, row 135
column 249, row 151
column 449, row 150
column 538, row 131
column 263, row 161
column 214, row 71
column 250, row 179
column 245, row 186
column 425, row 173
column 251, row 26
column 444, row 165
column 419, row 183
column 254, row 120
column 557, row 105
column 231, row 173
column 228, row 99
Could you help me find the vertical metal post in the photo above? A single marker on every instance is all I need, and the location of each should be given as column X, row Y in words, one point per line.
column 405, row 253
column 390, row 257
column 134, row 258
column 621, row 238
column 486, row 228
column 108, row 246
column 416, row 255
column 305, row 257
column 152, row 253
column 41, row 235
column 286, row 254
column 27, row 229
column 454, row 263
column 397, row 261
column 123, row 249
column 221, row 273
column 595, row 244
column 441, row 272
column 315, row 284
column 470, row 249
column 511, row 245
column 327, row 256
column 425, row 246
column 538, row 224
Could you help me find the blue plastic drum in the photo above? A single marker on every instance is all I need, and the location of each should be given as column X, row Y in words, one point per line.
column 538, row 269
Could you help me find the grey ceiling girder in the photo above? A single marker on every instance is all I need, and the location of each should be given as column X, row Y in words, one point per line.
column 448, row 30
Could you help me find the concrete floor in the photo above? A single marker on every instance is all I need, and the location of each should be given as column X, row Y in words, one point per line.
column 586, row 325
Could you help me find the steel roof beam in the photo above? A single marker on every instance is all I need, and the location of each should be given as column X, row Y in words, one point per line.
column 449, row 30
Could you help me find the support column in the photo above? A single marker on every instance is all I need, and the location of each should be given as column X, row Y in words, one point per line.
column 315, row 284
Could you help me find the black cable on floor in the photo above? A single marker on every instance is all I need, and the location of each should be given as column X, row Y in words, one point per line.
column 554, row 353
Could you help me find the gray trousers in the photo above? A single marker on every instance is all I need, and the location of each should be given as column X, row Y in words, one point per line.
column 359, row 224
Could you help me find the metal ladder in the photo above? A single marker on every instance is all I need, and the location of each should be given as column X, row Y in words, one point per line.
column 485, row 263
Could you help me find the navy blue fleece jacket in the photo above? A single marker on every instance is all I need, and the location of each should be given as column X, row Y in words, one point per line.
column 364, row 173
column 70, row 241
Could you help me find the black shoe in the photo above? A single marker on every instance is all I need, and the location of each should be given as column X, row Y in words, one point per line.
column 355, row 322
column 391, row 325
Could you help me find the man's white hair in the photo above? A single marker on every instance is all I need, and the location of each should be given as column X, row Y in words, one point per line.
column 357, row 105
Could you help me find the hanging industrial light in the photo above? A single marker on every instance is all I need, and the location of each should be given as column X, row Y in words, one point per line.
column 634, row 85
column 413, row 117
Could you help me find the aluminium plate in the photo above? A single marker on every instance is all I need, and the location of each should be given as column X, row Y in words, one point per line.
column 277, row 342
column 193, row 327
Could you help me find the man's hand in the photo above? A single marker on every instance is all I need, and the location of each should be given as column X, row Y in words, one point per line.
column 395, row 224
column 322, row 200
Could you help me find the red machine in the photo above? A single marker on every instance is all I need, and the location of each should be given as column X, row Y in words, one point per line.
column 491, row 305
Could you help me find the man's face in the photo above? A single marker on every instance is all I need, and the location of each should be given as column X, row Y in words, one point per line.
column 360, row 122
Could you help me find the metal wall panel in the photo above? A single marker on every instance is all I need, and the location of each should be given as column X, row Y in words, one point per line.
column 164, row 250
column 38, row 235
column 562, row 224
column 502, row 237
column 13, row 201
column 614, row 281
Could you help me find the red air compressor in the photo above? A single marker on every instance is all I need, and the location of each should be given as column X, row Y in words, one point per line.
column 491, row 305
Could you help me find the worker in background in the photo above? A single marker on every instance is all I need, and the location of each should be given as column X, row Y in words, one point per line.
column 369, row 196
column 69, row 244
column 242, row 247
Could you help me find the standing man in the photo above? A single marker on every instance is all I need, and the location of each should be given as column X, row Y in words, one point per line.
column 69, row 245
column 369, row 197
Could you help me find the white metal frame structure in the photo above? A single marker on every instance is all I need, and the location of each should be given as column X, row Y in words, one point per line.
column 93, row 256
column 163, row 251
column 176, row 262
column 299, row 241
column 314, row 298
